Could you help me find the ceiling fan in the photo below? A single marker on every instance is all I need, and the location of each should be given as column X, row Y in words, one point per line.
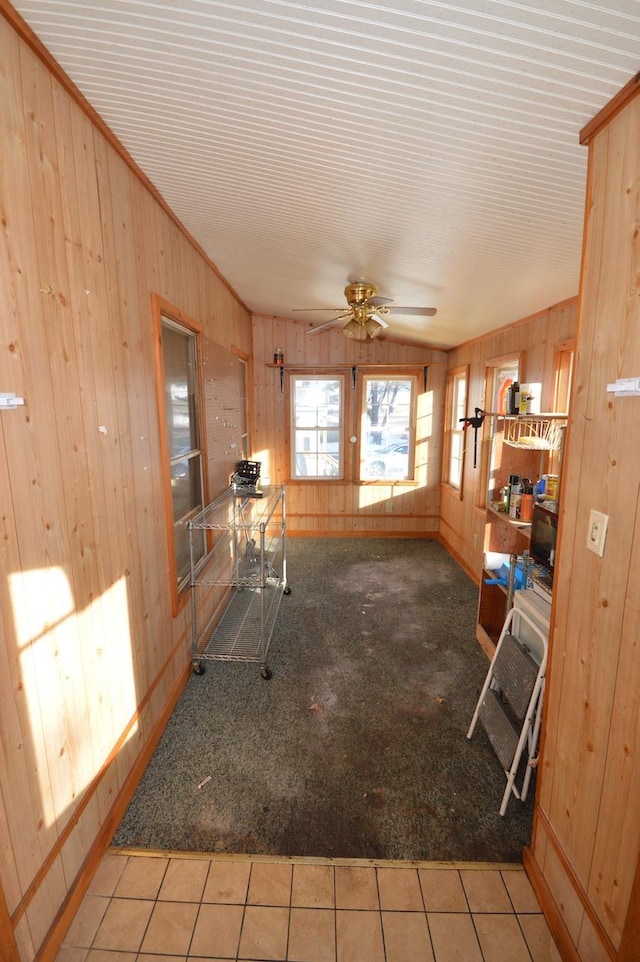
column 366, row 312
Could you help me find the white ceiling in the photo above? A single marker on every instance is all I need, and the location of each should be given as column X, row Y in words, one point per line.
column 431, row 147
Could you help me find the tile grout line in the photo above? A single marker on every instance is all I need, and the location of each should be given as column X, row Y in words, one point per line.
column 517, row 918
column 201, row 903
column 384, row 947
column 472, row 919
column 244, row 907
column 426, row 915
column 286, row 952
column 155, row 903
column 335, row 914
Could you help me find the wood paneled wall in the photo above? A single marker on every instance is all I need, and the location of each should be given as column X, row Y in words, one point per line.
column 535, row 339
column 586, row 842
column 90, row 656
column 347, row 508
column 91, row 659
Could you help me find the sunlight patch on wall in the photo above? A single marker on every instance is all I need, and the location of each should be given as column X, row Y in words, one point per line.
column 78, row 679
column 266, row 476
column 424, row 420
column 372, row 494
column 424, row 438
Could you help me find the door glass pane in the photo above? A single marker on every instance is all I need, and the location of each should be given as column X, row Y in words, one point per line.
column 385, row 450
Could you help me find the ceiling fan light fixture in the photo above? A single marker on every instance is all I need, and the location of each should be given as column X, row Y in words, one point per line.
column 373, row 327
column 354, row 330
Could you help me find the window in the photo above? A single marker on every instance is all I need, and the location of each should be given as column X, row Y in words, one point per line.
column 244, row 423
column 178, row 360
column 317, row 427
column 386, row 446
column 502, row 372
column 456, row 410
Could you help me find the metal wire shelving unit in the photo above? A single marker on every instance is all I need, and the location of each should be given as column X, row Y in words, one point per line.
column 237, row 587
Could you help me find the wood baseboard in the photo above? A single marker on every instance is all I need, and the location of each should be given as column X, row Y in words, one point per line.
column 550, row 910
column 359, row 534
column 460, row 560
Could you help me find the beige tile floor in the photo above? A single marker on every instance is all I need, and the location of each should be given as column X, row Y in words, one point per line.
column 170, row 908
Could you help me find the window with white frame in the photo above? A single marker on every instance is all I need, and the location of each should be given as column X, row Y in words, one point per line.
column 317, row 426
column 244, row 421
column 456, row 409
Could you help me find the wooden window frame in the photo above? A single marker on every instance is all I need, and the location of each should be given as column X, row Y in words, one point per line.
column 563, row 363
column 493, row 364
column 163, row 309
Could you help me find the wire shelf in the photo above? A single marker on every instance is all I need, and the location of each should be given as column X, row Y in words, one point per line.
column 247, row 556
column 244, row 631
column 534, row 433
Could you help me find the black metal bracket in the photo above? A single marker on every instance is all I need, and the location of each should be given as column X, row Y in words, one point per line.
column 476, row 423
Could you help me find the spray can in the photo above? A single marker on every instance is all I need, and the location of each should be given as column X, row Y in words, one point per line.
column 514, row 506
column 526, row 504
column 514, row 489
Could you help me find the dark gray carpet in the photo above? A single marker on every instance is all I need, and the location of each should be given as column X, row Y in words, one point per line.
column 356, row 747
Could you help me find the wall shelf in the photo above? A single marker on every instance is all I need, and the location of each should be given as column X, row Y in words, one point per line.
column 503, row 534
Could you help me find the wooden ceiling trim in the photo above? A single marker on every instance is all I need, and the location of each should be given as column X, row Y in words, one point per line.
column 608, row 112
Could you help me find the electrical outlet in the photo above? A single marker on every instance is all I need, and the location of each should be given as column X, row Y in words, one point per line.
column 388, row 505
column 597, row 531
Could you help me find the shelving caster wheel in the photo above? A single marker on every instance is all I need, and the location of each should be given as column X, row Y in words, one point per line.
column 265, row 672
column 197, row 667
column 286, row 591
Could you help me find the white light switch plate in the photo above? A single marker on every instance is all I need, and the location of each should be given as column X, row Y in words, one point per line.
column 597, row 531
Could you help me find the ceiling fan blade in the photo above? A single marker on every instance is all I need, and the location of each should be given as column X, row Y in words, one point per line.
column 323, row 327
column 426, row 311
column 380, row 301
column 307, row 310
